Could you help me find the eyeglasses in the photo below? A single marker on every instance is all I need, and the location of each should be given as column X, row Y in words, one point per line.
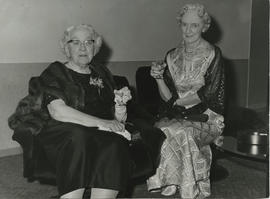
column 78, row 43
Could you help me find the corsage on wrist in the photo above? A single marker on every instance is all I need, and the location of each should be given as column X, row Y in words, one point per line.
column 121, row 97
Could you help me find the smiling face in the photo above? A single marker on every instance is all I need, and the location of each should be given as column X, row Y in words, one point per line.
column 192, row 27
column 80, row 48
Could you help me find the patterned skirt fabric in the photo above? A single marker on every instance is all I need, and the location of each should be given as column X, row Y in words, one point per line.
column 185, row 157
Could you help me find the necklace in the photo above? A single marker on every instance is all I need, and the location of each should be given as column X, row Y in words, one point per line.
column 191, row 50
column 76, row 68
column 190, row 53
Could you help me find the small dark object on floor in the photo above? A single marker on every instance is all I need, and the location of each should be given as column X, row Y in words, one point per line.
column 218, row 173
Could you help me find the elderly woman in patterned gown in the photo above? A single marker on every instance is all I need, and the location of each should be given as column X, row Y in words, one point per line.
column 191, row 82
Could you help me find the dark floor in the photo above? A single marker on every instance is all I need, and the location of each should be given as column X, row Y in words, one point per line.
column 234, row 177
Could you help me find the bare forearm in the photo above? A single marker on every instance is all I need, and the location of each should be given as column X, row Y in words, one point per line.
column 68, row 114
column 163, row 90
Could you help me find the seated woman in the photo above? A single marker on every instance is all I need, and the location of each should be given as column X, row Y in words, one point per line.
column 191, row 82
column 84, row 119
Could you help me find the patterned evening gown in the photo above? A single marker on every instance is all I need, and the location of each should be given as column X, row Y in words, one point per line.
column 185, row 154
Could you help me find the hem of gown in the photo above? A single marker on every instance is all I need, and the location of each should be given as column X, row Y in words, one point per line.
column 201, row 194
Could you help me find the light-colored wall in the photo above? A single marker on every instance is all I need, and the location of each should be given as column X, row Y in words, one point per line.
column 135, row 32
column 14, row 79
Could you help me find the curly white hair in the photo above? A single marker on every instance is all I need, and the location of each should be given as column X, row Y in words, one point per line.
column 95, row 36
column 202, row 13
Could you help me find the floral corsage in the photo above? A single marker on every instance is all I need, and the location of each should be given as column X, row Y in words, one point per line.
column 96, row 82
column 121, row 97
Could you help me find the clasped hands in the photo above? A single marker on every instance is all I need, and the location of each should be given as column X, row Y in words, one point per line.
column 157, row 69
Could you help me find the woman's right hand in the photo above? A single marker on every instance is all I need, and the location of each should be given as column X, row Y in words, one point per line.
column 112, row 125
column 157, row 69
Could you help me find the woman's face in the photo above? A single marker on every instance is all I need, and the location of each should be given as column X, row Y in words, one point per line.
column 192, row 26
column 80, row 47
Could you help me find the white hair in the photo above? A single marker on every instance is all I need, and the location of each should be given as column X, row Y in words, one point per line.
column 95, row 36
column 202, row 13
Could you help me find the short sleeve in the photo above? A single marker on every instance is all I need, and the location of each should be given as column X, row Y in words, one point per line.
column 48, row 98
column 52, row 88
column 53, row 93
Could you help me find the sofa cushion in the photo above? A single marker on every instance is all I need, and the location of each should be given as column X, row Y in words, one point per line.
column 147, row 90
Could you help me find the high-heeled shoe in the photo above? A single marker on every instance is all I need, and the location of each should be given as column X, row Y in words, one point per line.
column 155, row 190
column 169, row 190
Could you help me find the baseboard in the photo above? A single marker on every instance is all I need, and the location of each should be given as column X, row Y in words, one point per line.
column 10, row 151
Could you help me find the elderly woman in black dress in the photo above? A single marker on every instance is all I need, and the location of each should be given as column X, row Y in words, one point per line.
column 84, row 121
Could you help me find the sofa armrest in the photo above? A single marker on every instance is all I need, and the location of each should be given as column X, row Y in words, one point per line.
column 26, row 140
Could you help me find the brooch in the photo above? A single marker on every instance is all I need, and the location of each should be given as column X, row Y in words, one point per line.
column 96, row 82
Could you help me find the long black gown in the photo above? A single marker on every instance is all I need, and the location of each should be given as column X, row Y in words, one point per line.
column 87, row 157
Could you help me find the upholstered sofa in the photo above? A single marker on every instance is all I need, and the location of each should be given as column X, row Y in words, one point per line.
column 35, row 164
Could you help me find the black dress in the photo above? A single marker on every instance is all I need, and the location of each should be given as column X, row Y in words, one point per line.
column 87, row 157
